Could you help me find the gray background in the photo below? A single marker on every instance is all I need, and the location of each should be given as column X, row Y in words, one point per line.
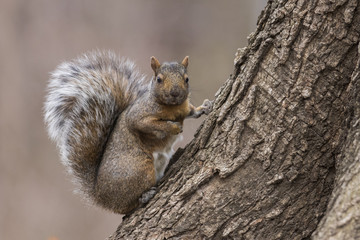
column 36, row 199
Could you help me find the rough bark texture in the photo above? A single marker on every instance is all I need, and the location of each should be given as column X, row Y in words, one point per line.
column 262, row 166
column 342, row 220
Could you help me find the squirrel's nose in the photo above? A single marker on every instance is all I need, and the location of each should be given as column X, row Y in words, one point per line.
column 174, row 93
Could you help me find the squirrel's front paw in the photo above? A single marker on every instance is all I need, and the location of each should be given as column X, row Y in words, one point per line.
column 177, row 127
column 207, row 106
column 172, row 128
column 160, row 134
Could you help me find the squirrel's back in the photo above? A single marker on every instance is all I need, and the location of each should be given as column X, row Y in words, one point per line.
column 85, row 97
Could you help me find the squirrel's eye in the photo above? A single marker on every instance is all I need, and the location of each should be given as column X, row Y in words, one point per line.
column 186, row 79
column 158, row 79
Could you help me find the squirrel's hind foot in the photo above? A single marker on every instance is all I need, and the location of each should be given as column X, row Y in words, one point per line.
column 147, row 196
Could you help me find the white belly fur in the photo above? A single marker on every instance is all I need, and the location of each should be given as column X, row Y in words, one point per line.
column 162, row 157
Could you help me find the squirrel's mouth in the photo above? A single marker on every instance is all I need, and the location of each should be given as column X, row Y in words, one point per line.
column 170, row 100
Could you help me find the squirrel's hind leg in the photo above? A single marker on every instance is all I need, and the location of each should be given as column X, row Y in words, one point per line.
column 122, row 182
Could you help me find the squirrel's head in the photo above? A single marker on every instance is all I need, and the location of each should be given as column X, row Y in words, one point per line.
column 170, row 85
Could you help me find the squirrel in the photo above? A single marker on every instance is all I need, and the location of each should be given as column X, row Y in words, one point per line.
column 115, row 128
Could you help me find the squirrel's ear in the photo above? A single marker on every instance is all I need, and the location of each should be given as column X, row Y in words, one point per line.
column 155, row 65
column 185, row 62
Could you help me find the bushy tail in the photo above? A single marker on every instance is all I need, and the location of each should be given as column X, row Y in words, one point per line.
column 85, row 97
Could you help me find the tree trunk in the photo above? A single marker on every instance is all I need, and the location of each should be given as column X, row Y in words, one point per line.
column 283, row 128
column 342, row 220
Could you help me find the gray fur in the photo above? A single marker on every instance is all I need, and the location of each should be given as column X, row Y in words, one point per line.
column 114, row 129
column 79, row 128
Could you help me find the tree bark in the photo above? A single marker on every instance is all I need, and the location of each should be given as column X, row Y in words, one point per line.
column 284, row 126
column 342, row 220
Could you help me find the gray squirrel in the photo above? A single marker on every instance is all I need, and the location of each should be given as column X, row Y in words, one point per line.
column 115, row 128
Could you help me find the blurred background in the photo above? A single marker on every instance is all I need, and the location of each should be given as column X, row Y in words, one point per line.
column 36, row 199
